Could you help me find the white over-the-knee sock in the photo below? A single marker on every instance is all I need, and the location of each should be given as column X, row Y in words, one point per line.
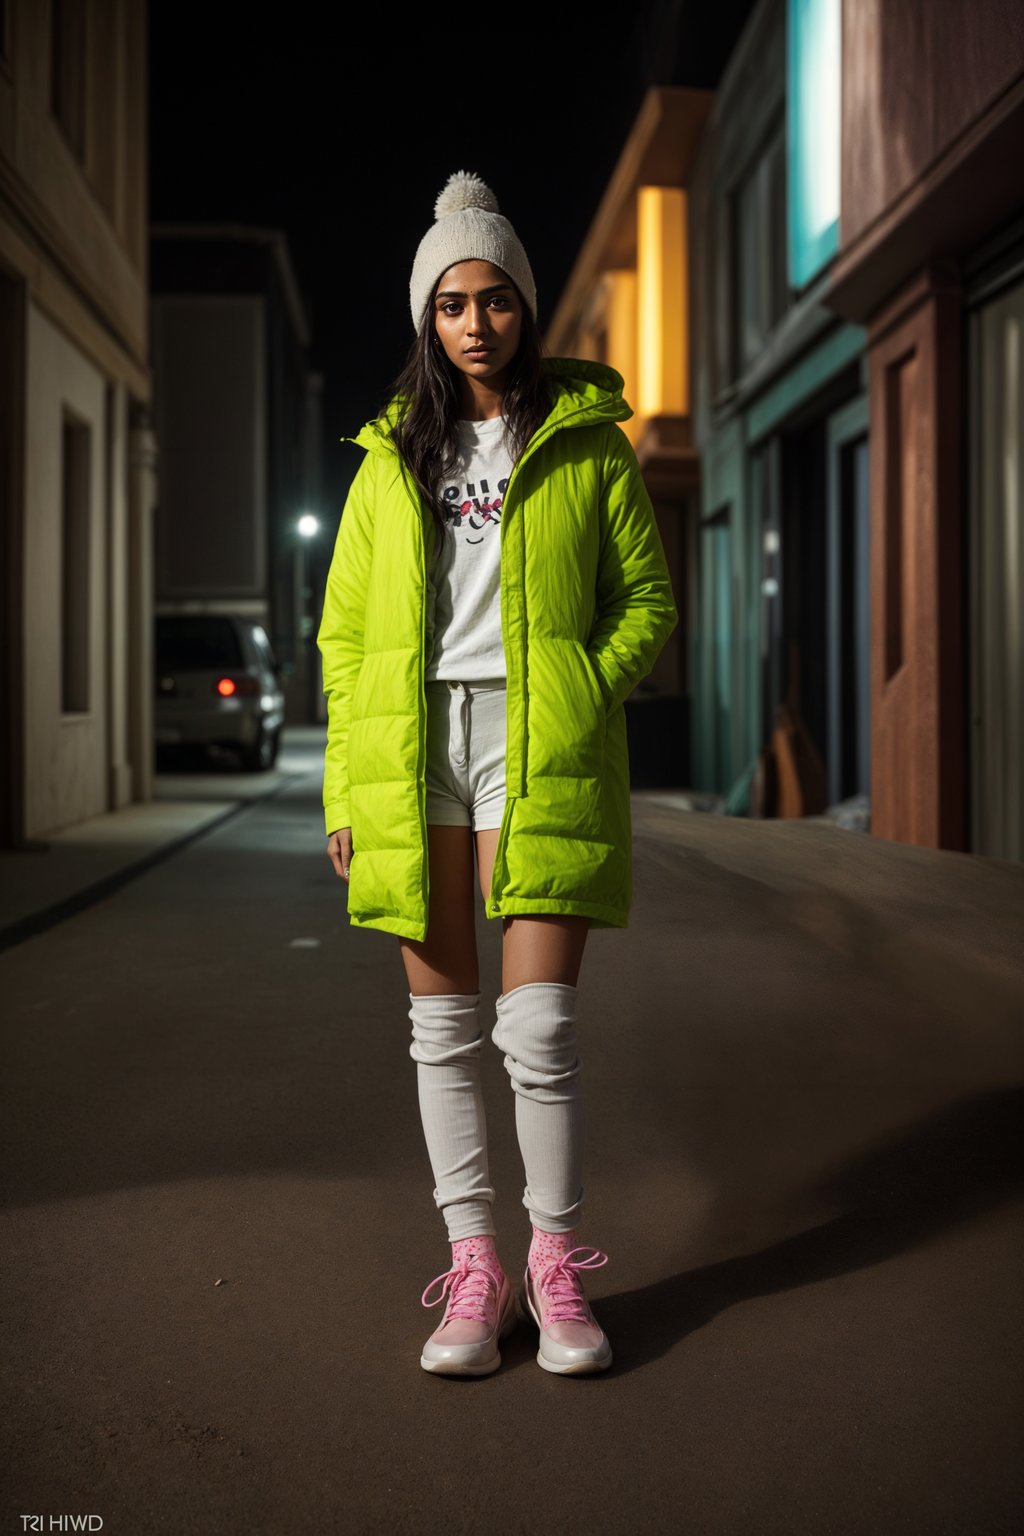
column 536, row 1028
column 446, row 1048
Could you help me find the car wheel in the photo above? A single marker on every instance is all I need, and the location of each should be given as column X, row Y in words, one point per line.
column 263, row 754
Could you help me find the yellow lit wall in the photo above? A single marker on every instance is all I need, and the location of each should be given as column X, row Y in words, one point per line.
column 662, row 302
column 607, row 334
column 620, row 339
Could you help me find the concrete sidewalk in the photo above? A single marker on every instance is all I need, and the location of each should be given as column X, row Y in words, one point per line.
column 67, row 871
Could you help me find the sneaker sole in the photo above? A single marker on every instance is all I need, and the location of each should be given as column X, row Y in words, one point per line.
column 577, row 1367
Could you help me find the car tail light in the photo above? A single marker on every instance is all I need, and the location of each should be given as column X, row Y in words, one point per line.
column 237, row 687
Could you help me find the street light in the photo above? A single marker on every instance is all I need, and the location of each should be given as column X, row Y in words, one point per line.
column 308, row 526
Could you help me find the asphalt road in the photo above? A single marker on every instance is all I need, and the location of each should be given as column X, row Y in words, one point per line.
column 804, row 1062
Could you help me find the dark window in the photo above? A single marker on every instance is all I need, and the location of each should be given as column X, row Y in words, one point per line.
column 761, row 294
column 76, row 472
column 67, row 70
column 196, row 642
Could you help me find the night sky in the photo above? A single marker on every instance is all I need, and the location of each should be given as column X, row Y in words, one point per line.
column 340, row 125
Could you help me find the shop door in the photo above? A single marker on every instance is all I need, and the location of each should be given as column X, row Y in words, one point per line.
column 996, row 392
column 716, row 605
column 848, row 637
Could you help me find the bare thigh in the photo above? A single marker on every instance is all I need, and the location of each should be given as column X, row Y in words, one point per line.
column 542, row 947
column 446, row 960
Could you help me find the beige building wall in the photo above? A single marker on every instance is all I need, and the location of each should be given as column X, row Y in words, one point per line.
column 74, row 348
column 64, row 752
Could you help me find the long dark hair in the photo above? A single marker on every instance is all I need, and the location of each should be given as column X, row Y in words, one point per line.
column 426, row 434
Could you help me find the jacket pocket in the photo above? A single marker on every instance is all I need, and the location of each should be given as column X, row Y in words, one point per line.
column 567, row 719
column 595, row 686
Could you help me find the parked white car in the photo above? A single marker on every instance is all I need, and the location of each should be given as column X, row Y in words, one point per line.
column 218, row 685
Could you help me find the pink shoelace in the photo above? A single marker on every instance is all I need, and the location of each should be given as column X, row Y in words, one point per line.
column 472, row 1290
column 561, row 1288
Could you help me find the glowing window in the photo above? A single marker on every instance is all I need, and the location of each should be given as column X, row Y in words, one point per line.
column 813, row 102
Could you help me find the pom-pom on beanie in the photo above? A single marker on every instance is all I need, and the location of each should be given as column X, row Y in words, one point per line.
column 468, row 227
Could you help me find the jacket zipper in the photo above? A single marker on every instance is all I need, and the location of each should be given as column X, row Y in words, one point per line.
column 422, row 746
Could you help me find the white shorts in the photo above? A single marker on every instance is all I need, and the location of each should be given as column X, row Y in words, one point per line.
column 465, row 771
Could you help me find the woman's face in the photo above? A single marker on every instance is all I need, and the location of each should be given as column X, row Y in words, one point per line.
column 478, row 318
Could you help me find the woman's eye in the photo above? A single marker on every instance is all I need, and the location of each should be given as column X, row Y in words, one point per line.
column 499, row 300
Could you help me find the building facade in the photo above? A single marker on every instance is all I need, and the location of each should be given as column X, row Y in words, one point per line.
column 844, row 507
column 77, row 462
column 930, row 260
column 782, row 721
column 237, row 412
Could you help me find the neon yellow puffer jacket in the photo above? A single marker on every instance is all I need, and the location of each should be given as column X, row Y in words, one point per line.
column 586, row 606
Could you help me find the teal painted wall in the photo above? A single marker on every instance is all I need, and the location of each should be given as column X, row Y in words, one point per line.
column 729, row 731
column 728, row 670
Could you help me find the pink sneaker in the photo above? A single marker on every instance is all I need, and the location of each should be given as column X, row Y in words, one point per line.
column 572, row 1341
column 478, row 1314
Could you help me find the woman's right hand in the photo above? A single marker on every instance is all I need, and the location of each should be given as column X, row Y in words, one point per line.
column 339, row 851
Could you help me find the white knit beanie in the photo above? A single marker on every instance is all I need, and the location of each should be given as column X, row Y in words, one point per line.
column 468, row 228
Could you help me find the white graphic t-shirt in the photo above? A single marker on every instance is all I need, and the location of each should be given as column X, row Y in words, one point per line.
column 464, row 589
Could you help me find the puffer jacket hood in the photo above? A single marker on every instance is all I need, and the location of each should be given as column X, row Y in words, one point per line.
column 586, row 607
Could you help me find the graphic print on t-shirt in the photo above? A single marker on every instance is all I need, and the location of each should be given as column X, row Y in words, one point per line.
column 471, row 509
column 464, row 602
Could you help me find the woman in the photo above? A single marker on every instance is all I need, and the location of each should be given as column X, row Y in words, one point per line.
column 498, row 588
